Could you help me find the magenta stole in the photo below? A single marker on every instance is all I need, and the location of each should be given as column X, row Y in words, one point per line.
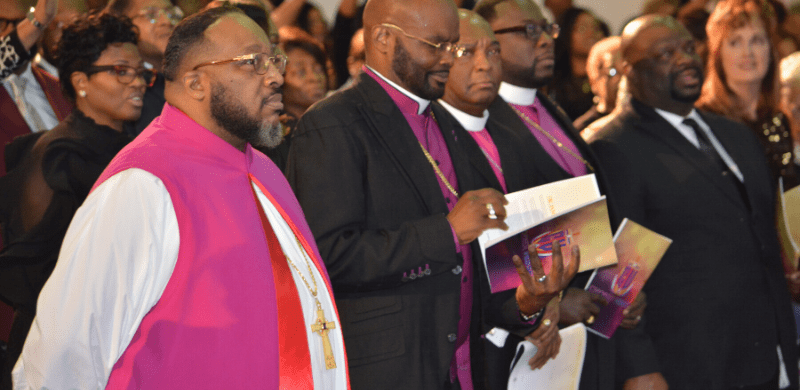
column 215, row 326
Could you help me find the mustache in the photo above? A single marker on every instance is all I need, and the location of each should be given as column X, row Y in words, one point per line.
column 275, row 91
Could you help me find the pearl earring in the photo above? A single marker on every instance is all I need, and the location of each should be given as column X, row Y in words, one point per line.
column 82, row 93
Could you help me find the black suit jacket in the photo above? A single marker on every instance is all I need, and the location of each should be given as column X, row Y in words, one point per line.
column 608, row 363
column 375, row 207
column 717, row 302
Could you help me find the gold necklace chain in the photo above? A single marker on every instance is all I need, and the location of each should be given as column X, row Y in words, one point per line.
column 314, row 290
column 433, row 163
column 552, row 138
column 491, row 160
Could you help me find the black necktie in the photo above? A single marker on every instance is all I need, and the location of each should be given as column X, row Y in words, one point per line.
column 708, row 149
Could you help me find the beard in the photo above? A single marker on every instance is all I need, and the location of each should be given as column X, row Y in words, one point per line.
column 232, row 116
column 409, row 73
column 681, row 94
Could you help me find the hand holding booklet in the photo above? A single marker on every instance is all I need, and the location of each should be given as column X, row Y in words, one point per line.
column 568, row 212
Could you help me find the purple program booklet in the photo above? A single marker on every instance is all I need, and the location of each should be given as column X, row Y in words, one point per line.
column 586, row 226
column 638, row 250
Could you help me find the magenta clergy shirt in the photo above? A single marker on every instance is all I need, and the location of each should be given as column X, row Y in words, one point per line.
column 426, row 130
column 568, row 162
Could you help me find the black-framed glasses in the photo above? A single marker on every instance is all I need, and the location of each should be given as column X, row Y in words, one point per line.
column 174, row 14
column 533, row 30
column 260, row 62
column 441, row 47
column 125, row 74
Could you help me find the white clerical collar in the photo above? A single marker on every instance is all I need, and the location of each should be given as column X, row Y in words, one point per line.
column 469, row 122
column 517, row 95
column 423, row 104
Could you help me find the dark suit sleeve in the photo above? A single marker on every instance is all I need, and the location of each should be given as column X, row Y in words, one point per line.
column 635, row 354
column 346, row 208
column 622, row 180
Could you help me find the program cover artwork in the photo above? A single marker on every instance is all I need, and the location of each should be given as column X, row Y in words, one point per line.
column 587, row 226
column 638, row 250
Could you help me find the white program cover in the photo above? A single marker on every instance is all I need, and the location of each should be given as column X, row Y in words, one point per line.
column 561, row 373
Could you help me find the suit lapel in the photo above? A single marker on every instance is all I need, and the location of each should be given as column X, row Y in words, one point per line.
column 732, row 146
column 658, row 127
column 502, row 115
column 563, row 120
column 52, row 90
column 391, row 128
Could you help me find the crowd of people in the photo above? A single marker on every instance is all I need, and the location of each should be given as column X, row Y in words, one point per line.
column 234, row 194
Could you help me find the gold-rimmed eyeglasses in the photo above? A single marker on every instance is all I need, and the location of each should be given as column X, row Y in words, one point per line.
column 259, row 61
column 442, row 47
column 533, row 30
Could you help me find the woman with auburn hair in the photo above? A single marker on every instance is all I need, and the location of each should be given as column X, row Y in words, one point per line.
column 742, row 78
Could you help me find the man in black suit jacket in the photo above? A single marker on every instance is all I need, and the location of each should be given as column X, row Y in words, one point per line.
column 718, row 306
column 389, row 225
column 526, row 40
column 498, row 152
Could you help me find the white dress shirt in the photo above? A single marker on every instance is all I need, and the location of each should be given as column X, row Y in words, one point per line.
column 688, row 132
column 35, row 99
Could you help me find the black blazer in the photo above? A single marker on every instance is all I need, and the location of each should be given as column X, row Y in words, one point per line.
column 526, row 164
column 717, row 302
column 375, row 207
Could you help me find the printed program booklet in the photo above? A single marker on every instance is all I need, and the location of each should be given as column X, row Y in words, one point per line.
column 638, row 251
column 586, row 226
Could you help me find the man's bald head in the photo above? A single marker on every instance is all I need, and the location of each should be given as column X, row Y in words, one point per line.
column 420, row 13
column 409, row 42
column 660, row 63
column 473, row 26
column 476, row 73
column 642, row 31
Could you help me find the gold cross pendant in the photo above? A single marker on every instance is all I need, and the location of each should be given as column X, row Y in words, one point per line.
column 323, row 327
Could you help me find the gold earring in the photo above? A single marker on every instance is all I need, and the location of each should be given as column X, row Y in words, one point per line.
column 82, row 93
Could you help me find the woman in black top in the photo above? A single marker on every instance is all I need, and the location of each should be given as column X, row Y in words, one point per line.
column 50, row 174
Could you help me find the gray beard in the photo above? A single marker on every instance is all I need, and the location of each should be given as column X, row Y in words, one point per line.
column 233, row 117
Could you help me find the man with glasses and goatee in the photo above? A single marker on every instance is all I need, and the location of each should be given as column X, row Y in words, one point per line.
column 395, row 208
column 190, row 265
column 527, row 53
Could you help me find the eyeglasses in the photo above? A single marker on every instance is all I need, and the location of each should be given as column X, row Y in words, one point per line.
column 463, row 51
column 441, row 48
column 260, row 62
column 174, row 14
column 533, row 30
column 125, row 74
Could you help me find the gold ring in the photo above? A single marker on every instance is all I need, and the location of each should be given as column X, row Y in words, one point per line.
column 546, row 322
column 492, row 214
column 590, row 320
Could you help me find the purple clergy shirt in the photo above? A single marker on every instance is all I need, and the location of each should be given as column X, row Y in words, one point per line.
column 426, row 130
column 568, row 162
